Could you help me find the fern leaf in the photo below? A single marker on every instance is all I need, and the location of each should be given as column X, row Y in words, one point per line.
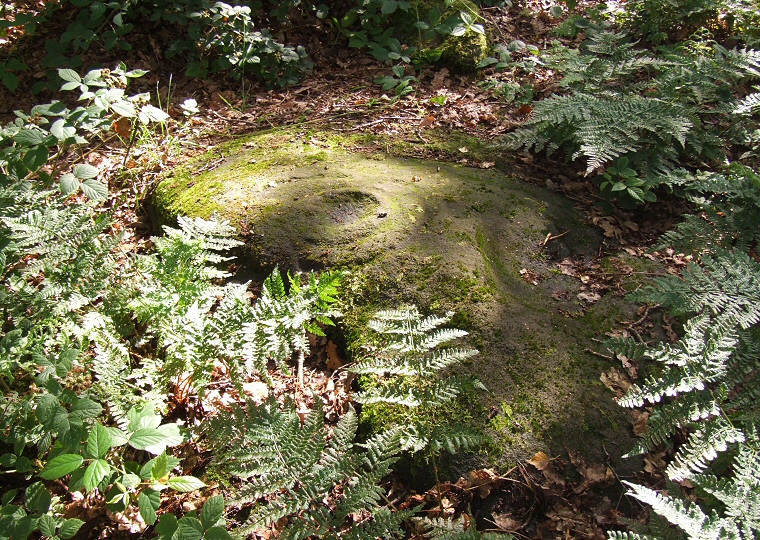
column 698, row 358
column 665, row 420
column 703, row 446
column 749, row 104
column 689, row 517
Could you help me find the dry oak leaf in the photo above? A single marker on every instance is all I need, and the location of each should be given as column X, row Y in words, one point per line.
column 334, row 360
column 257, row 390
column 540, row 461
column 506, row 522
column 484, row 480
column 616, row 381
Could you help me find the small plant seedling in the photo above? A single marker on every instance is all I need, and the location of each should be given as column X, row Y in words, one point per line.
column 621, row 178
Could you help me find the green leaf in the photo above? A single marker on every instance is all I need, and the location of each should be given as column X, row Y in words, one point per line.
column 143, row 416
column 147, row 468
column 160, row 467
column 189, row 528
column 123, row 108
column 117, row 498
column 95, row 473
column 98, row 442
column 69, row 528
column 61, row 466
column 69, row 184
column 167, row 526
column 94, row 189
column 36, row 157
column 118, row 437
column 130, row 480
column 69, row 75
column 389, row 6
column 148, row 502
column 85, row 408
column 46, row 407
column 65, row 87
column 217, row 533
column 172, row 436
column 145, row 438
column 149, row 113
column 10, row 81
column 23, row 464
column 212, row 511
column 29, row 137
column 38, row 498
column 135, row 73
column 84, row 171
column 47, row 525
column 185, row 484
column 62, row 131
column 487, row 61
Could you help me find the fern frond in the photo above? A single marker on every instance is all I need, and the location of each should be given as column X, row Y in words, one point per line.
column 704, row 444
column 393, row 392
column 604, row 128
column 291, row 470
column 726, row 284
column 618, row 535
column 687, row 516
column 450, row 529
column 216, row 233
column 695, row 360
column 345, row 430
column 750, row 104
column 665, row 420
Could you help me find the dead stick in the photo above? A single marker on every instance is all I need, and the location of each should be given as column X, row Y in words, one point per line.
column 600, row 355
column 549, row 238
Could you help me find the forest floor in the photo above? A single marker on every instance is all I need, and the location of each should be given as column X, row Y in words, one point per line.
column 544, row 497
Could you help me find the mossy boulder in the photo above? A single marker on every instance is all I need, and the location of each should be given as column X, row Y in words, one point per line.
column 459, row 51
column 442, row 236
column 462, row 53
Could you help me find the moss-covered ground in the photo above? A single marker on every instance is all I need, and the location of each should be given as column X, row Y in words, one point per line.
column 440, row 235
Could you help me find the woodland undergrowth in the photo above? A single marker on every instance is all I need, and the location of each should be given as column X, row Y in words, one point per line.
column 99, row 346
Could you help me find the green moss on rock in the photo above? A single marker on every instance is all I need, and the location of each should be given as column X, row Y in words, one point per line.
column 461, row 54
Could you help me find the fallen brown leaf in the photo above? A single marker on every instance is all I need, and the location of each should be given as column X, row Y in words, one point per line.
column 540, row 461
column 616, row 381
column 334, row 360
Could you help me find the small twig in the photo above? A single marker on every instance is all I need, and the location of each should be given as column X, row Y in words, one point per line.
column 419, row 134
column 644, row 316
column 550, row 237
column 600, row 355
column 211, row 166
column 239, row 120
column 379, row 120
column 300, row 368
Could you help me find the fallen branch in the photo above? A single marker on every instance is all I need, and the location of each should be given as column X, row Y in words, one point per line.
column 550, row 237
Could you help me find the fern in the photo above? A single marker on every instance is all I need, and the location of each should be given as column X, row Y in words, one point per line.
column 729, row 210
column 725, row 285
column 449, row 529
column 688, row 516
column 652, row 111
column 705, row 442
column 750, row 104
column 407, row 372
column 326, row 486
column 706, row 386
column 601, row 129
